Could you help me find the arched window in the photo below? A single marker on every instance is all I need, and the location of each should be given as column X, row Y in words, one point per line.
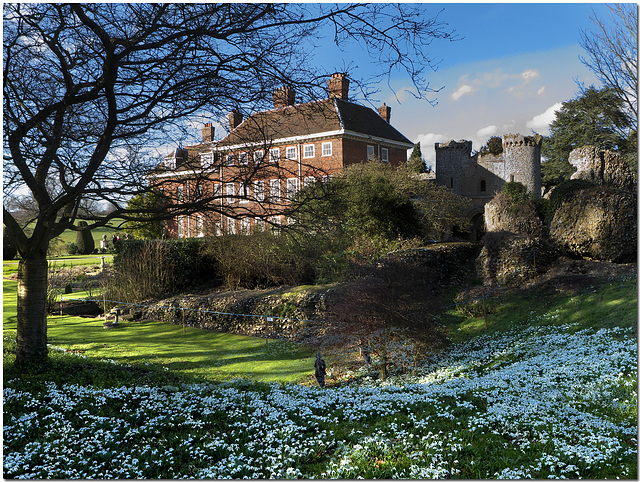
column 483, row 185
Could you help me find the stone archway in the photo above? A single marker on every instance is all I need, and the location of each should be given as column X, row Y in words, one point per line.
column 477, row 226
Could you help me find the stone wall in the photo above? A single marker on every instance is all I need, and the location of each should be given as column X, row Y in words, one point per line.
column 602, row 167
column 512, row 259
column 599, row 223
column 501, row 215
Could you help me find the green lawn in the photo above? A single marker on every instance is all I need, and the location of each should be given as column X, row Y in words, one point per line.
column 199, row 353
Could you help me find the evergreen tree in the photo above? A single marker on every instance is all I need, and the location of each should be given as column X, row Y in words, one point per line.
column 416, row 162
column 595, row 118
column 493, row 146
column 84, row 239
column 144, row 206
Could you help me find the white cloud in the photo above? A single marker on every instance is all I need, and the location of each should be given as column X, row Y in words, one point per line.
column 427, row 146
column 541, row 90
column 540, row 123
column 487, row 131
column 462, row 90
column 529, row 75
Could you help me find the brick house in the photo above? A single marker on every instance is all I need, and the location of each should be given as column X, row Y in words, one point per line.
column 248, row 177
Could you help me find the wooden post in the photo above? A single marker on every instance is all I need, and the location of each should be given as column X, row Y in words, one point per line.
column 183, row 328
column 104, row 305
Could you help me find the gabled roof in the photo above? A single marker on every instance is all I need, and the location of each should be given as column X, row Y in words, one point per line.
column 364, row 120
column 326, row 116
column 332, row 116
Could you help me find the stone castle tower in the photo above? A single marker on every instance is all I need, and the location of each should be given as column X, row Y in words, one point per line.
column 480, row 177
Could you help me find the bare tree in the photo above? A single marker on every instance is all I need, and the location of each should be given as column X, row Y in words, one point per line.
column 612, row 48
column 89, row 88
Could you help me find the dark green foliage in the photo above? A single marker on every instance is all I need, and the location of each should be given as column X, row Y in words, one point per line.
column 416, row 162
column 84, row 239
column 555, row 171
column 9, row 250
column 518, row 193
column 72, row 248
column 595, row 118
column 145, row 207
column 361, row 201
column 493, row 147
column 261, row 260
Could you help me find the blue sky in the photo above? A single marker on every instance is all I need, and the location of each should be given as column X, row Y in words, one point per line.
column 513, row 66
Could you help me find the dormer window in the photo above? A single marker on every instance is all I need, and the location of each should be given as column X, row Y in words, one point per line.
column 170, row 162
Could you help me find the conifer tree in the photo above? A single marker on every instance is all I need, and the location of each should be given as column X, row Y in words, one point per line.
column 84, row 239
column 416, row 163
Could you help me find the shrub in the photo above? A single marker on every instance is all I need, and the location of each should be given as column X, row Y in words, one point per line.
column 261, row 260
column 389, row 313
column 151, row 269
column 517, row 192
column 84, row 239
column 72, row 248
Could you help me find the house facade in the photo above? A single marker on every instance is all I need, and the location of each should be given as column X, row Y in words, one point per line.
column 246, row 180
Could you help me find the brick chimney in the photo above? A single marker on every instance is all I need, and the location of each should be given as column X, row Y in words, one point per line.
column 235, row 119
column 339, row 86
column 207, row 132
column 385, row 112
column 283, row 97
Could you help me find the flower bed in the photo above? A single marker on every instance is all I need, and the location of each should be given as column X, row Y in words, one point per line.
column 535, row 403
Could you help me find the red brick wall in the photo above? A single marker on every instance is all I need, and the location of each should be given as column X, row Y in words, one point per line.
column 344, row 152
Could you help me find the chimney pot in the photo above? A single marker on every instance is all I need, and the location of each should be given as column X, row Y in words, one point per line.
column 385, row 112
column 207, row 132
column 235, row 119
column 283, row 97
column 339, row 86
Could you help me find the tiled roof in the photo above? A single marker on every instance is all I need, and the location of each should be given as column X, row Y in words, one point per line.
column 364, row 120
column 327, row 115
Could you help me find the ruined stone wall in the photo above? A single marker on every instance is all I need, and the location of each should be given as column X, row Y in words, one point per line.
column 452, row 160
column 602, row 167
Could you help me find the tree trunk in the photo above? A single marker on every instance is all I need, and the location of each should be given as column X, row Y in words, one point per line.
column 31, row 341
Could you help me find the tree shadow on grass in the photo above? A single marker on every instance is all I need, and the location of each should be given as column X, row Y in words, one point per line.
column 199, row 352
